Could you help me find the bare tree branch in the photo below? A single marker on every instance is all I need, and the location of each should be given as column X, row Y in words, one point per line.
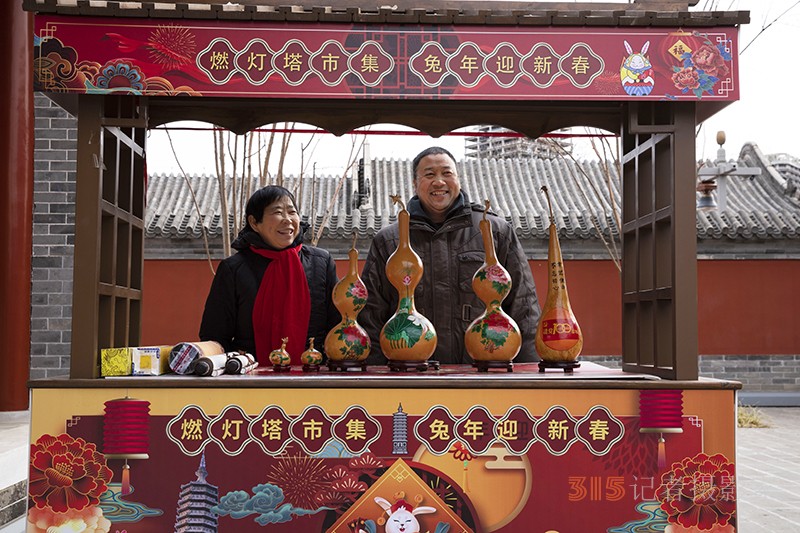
column 352, row 159
column 203, row 229
column 766, row 26
column 219, row 158
column 577, row 166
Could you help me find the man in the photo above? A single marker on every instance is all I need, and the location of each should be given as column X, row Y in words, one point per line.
column 446, row 235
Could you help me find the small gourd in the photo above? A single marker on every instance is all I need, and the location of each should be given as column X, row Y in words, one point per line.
column 311, row 358
column 280, row 359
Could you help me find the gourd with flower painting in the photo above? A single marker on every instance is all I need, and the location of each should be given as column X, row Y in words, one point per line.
column 407, row 339
column 348, row 344
column 493, row 339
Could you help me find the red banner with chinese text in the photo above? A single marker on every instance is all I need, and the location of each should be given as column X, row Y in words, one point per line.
column 292, row 60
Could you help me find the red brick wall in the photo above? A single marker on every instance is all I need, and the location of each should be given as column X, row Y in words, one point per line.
column 744, row 307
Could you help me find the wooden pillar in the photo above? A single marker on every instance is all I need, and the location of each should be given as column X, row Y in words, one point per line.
column 16, row 204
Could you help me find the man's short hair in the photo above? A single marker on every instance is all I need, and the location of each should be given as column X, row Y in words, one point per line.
column 433, row 150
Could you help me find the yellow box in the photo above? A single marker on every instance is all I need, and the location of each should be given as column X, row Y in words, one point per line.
column 150, row 360
column 116, row 362
column 136, row 361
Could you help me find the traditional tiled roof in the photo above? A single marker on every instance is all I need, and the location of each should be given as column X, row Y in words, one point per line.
column 584, row 200
column 445, row 12
column 763, row 207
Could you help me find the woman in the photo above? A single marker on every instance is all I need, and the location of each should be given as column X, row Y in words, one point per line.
column 274, row 287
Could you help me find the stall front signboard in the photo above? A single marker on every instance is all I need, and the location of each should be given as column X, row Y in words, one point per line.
column 343, row 459
column 282, row 60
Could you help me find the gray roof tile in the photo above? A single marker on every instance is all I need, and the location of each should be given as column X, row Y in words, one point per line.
column 763, row 207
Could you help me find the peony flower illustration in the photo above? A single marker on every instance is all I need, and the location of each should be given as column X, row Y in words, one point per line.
column 686, row 79
column 497, row 273
column 67, row 473
column 406, row 280
column 351, row 334
column 702, row 69
column 358, row 290
column 699, row 492
column 498, row 322
column 709, row 59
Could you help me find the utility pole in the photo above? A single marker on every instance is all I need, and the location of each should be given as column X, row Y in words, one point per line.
column 716, row 177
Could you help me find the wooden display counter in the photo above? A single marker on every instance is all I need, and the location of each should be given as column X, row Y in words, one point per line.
column 450, row 450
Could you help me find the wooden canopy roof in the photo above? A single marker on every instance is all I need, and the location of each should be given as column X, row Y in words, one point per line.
column 637, row 13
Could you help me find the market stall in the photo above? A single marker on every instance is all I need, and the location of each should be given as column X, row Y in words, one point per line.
column 448, row 449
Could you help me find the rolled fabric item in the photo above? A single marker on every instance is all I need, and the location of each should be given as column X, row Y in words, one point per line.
column 210, row 365
column 240, row 363
column 249, row 368
column 184, row 355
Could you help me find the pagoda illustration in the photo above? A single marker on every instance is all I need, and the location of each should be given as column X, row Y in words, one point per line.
column 400, row 432
column 195, row 502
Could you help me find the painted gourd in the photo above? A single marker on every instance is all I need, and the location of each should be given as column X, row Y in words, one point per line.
column 558, row 337
column 493, row 336
column 407, row 335
column 311, row 356
column 348, row 341
column 280, row 357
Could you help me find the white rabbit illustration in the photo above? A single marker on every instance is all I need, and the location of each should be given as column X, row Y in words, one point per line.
column 636, row 72
column 402, row 517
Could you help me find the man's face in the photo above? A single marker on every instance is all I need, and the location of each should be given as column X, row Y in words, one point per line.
column 436, row 184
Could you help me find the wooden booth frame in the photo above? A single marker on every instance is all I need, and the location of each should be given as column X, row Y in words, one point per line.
column 659, row 275
column 549, row 451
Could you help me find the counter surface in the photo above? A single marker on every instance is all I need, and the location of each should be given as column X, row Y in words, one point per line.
column 524, row 376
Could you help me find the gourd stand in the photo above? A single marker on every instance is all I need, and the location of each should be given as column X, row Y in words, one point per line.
column 642, row 448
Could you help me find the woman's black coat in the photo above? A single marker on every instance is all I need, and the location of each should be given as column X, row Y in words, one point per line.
column 228, row 314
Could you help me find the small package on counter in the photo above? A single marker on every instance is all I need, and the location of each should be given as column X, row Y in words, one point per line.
column 183, row 356
column 116, row 362
column 135, row 360
column 150, row 360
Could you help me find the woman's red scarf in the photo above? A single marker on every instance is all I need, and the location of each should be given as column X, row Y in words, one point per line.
column 283, row 305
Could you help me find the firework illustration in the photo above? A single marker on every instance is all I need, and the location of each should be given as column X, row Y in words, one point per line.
column 171, row 46
column 300, row 478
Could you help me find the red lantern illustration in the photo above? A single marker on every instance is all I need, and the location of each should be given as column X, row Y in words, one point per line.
column 661, row 411
column 126, row 433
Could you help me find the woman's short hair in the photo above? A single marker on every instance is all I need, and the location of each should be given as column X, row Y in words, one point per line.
column 433, row 150
column 262, row 198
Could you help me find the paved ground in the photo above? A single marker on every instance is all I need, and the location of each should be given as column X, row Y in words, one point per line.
column 768, row 472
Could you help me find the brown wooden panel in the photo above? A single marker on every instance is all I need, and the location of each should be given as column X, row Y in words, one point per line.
column 659, row 241
column 109, row 243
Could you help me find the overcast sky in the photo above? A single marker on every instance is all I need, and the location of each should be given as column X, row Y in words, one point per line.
column 768, row 112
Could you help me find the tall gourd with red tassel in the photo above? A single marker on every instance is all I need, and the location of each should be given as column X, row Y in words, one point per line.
column 559, row 339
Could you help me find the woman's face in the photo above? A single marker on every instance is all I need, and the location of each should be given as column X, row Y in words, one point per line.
column 279, row 225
